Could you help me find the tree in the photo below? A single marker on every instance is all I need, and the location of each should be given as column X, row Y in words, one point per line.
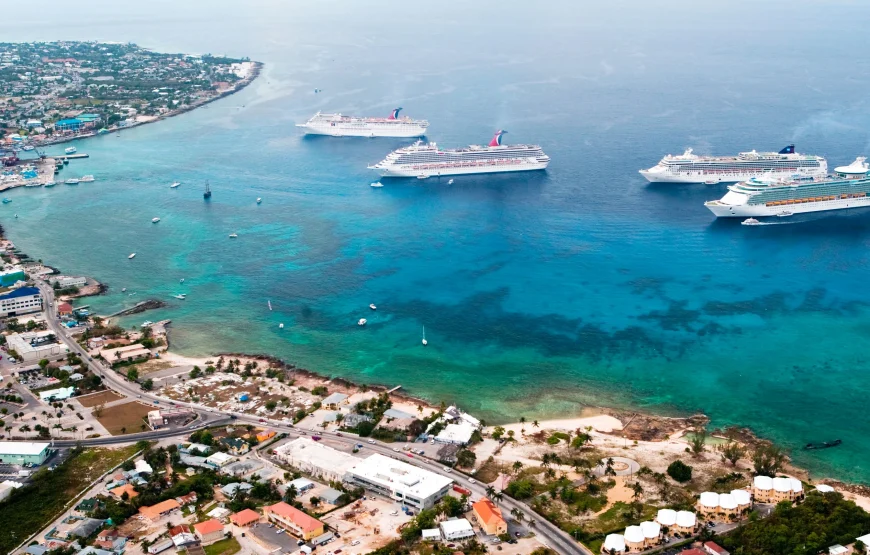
column 768, row 459
column 535, row 424
column 315, row 501
column 497, row 433
column 698, row 441
column 490, row 491
column 637, row 489
column 195, row 373
column 517, row 466
column 98, row 410
column 132, row 374
column 148, row 384
column 732, row 452
column 466, row 458
column 680, row 471
column 43, row 363
column 123, row 430
column 290, row 494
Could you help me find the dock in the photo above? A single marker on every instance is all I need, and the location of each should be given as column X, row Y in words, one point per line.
column 395, row 389
column 75, row 156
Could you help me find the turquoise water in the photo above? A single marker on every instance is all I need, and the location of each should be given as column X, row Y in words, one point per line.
column 540, row 293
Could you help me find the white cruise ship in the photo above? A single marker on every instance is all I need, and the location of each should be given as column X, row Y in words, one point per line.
column 849, row 187
column 337, row 125
column 426, row 160
column 691, row 168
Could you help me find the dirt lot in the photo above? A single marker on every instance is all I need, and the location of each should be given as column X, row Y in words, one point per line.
column 98, row 398
column 128, row 416
column 357, row 523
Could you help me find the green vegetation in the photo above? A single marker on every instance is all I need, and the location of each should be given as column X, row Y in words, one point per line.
column 320, row 390
column 680, row 471
column 556, row 437
column 820, row 521
column 32, row 507
column 223, row 547
column 768, row 459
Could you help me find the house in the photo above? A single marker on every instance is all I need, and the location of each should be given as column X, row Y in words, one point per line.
column 128, row 353
column 245, row 518
column 154, row 512
column 693, row 551
column 88, row 505
column 190, row 448
column 431, row 534
column 230, row 489
column 182, row 535
column 209, row 531
column 634, row 539
column 838, row 549
column 188, row 499
column 112, row 540
column 489, row 517
column 334, row 400
column 142, row 466
column 613, row 543
column 160, row 546
column 235, row 445
column 331, row 496
column 712, row 548
column 456, row 529
column 64, row 309
column 121, row 490
column 219, row 513
column 86, row 527
column 34, row 346
column 90, row 550
column 302, row 485
column 294, row 520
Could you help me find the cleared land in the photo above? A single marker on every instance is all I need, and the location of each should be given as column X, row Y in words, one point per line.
column 126, row 418
column 32, row 507
column 98, row 398
column 223, row 547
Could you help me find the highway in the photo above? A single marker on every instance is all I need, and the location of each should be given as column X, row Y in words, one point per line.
column 548, row 532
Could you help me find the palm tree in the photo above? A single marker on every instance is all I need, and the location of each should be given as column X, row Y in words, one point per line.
column 637, row 489
column 490, row 492
column 535, row 424
column 498, row 496
column 517, row 466
column 532, row 523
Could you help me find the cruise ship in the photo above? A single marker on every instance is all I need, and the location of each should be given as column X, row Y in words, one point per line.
column 691, row 168
column 337, row 125
column 848, row 187
column 425, row 160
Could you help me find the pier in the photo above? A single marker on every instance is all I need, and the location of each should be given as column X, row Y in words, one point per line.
column 75, row 156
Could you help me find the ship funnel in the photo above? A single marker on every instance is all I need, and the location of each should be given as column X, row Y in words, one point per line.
column 787, row 150
column 395, row 114
column 496, row 139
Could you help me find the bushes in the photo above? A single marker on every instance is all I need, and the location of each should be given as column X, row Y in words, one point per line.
column 680, row 471
column 522, row 488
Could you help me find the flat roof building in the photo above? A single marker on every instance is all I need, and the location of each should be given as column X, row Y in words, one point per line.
column 59, row 394
column 456, row 529
column 316, row 459
column 23, row 300
column 399, row 481
column 23, row 452
column 34, row 346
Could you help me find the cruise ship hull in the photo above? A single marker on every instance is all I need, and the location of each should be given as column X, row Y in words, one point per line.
column 411, row 171
column 723, row 210
column 654, row 176
column 400, row 131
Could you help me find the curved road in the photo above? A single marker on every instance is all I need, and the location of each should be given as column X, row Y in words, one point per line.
column 553, row 536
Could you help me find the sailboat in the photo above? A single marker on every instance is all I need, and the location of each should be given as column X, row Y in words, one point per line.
column 259, row 200
column 207, row 194
column 424, row 337
column 270, row 304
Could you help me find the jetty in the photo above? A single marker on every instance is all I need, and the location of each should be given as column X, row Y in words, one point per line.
column 142, row 306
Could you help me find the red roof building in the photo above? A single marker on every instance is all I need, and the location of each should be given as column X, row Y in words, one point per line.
column 245, row 518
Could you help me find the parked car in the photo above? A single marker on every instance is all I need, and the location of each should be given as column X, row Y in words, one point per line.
column 371, row 441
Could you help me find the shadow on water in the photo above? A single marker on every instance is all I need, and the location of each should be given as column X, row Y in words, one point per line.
column 851, row 225
column 498, row 186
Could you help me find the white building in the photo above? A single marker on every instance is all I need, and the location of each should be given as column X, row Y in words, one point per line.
column 431, row 534
column 456, row 529
column 219, row 460
column 614, row 543
column 399, row 481
column 23, row 300
column 316, row 459
column 67, row 281
column 33, row 346
column 58, row 394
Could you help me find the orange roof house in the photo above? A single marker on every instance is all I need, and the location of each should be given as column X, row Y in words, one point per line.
column 121, row 490
column 300, row 523
column 209, row 531
column 489, row 517
column 64, row 308
column 244, row 518
column 156, row 511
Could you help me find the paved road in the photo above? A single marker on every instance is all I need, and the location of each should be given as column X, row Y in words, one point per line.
column 546, row 531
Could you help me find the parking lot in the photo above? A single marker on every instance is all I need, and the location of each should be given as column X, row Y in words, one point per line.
column 267, row 536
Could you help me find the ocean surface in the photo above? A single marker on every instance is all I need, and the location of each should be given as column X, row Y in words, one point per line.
column 541, row 293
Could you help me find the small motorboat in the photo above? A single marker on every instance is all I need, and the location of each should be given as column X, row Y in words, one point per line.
column 281, row 326
column 422, row 177
column 16, row 216
column 123, row 290
column 175, row 185
column 147, row 323
column 750, row 221
column 155, row 220
column 180, row 296
column 377, row 184
column 70, row 150
column 66, row 160
column 27, row 147
column 233, row 235
column 72, row 181
column 362, row 322
column 132, row 255
column 373, row 307
column 259, row 200
column 86, row 178
column 7, row 200
column 450, row 182
column 269, row 303
column 711, row 182
column 424, row 337
column 785, row 214
column 181, row 280
column 50, row 183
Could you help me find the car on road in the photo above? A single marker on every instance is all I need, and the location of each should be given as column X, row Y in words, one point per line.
column 410, row 455
column 316, row 438
column 371, row 441
column 396, row 449
column 472, row 481
column 279, row 531
column 447, row 469
column 338, row 434
column 357, row 542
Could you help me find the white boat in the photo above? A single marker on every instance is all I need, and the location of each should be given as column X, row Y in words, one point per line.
column 373, row 307
column 270, row 304
column 181, row 280
column 450, row 182
column 337, row 125
column 27, row 147
column 155, row 220
column 281, row 326
column 377, row 184
column 72, row 181
column 422, row 177
column 785, row 214
column 86, row 178
column 233, row 235
column 362, row 322
column 259, row 200
column 132, row 255
column 147, row 323
column 50, row 183
column 70, row 150
column 174, row 185
column 123, row 290
column 424, row 337
column 180, row 296
column 750, row 221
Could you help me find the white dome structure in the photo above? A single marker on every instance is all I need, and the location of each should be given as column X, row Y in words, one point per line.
column 763, row 483
column 796, row 485
column 824, row 488
column 709, row 499
column 782, row 485
column 633, row 535
column 741, row 496
column 666, row 517
column 686, row 519
column 651, row 530
column 727, row 502
column 614, row 542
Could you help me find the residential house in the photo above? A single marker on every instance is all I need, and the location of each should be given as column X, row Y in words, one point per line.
column 188, row 499
column 112, row 540
column 235, row 446
column 334, row 400
column 265, row 435
column 489, row 517
column 154, row 512
column 209, row 531
column 182, row 535
column 713, row 548
column 245, row 517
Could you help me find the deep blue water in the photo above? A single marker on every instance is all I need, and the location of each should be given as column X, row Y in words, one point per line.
column 540, row 293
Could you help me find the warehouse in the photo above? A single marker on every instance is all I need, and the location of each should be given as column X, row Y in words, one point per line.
column 24, row 452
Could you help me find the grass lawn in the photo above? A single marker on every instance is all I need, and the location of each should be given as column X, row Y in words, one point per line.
column 223, row 547
column 32, row 507
column 98, row 398
column 127, row 418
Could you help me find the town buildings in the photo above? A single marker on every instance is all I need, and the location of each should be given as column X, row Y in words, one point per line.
column 24, row 452
column 33, row 346
column 316, row 459
column 292, row 519
column 154, row 512
column 399, row 481
column 24, row 300
column 456, row 529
